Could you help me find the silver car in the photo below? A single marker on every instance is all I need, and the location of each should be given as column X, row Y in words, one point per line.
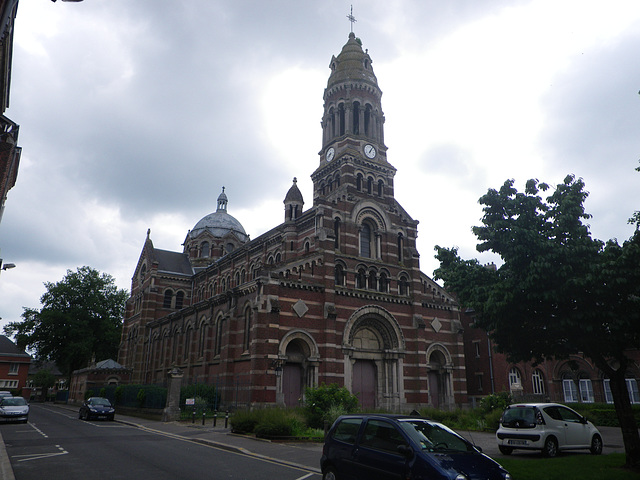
column 14, row 409
column 548, row 427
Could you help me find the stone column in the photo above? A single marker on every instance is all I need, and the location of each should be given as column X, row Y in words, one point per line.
column 171, row 411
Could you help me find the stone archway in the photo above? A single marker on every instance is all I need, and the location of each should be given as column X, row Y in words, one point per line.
column 439, row 377
column 373, row 348
column 298, row 358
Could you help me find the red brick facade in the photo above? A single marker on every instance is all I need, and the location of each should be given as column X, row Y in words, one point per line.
column 332, row 295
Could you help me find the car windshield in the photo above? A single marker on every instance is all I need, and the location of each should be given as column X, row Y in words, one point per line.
column 434, row 437
column 100, row 401
column 13, row 401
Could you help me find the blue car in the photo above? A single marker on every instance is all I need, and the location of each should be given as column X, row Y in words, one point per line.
column 381, row 447
column 96, row 407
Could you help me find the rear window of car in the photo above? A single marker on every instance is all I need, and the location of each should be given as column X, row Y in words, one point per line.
column 347, row 430
column 519, row 416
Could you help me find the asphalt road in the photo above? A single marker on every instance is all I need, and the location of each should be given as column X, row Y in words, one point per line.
column 55, row 444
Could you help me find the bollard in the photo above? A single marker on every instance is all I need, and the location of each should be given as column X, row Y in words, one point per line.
column 193, row 417
column 215, row 418
column 204, row 415
column 226, row 420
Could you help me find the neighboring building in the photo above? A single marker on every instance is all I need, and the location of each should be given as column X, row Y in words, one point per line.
column 95, row 377
column 332, row 295
column 36, row 391
column 14, row 366
column 573, row 380
column 9, row 150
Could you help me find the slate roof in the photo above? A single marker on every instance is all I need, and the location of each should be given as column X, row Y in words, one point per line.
column 8, row 348
column 174, row 262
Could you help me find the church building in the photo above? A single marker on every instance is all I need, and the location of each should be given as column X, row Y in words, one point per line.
column 332, row 295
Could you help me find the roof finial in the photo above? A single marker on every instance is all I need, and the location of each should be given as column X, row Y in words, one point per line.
column 351, row 18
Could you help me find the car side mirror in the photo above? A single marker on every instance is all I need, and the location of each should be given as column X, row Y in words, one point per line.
column 405, row 450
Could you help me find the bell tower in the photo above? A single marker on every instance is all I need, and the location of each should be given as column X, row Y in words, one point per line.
column 353, row 154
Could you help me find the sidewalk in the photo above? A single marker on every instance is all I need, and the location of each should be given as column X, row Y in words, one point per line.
column 302, row 454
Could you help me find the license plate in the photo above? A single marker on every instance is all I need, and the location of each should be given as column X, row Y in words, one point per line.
column 518, row 442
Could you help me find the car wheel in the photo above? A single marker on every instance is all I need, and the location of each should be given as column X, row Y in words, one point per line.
column 505, row 450
column 596, row 445
column 550, row 448
column 330, row 474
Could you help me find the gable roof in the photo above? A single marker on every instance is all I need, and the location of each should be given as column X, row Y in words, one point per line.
column 174, row 262
column 8, row 348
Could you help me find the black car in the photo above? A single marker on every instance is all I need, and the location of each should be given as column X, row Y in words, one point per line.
column 385, row 447
column 97, row 407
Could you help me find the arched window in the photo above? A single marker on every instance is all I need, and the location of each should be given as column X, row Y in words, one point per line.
column 361, row 278
column 168, row 298
column 247, row 328
column 380, row 188
column 339, row 275
column 179, row 300
column 359, row 179
column 337, row 180
column 400, row 247
column 538, row 382
column 278, row 257
column 336, row 233
column 383, row 283
column 365, row 240
column 403, row 285
column 370, row 185
column 356, row 118
column 373, row 280
column 306, row 247
column 143, row 272
column 514, row 378
column 205, row 250
column 367, row 120
column 341, row 118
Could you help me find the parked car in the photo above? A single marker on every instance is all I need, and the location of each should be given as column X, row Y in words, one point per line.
column 97, row 407
column 548, row 427
column 5, row 393
column 395, row 446
column 14, row 409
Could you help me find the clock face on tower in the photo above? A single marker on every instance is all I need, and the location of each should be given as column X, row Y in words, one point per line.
column 370, row 151
column 330, row 154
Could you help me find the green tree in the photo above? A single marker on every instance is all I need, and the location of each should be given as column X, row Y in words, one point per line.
column 558, row 291
column 81, row 317
column 45, row 380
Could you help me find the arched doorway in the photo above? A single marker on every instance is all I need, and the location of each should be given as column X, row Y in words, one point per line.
column 298, row 356
column 374, row 350
column 439, row 377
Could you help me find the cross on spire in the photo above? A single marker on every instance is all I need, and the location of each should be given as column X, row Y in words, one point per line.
column 351, row 18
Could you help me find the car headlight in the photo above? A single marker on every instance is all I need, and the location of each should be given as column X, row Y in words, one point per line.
column 507, row 476
column 93, row 410
column 461, row 477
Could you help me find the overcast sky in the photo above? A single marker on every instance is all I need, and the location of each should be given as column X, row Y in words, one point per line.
column 134, row 114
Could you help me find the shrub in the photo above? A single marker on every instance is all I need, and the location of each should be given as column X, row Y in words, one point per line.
column 496, row 401
column 320, row 400
column 274, row 422
column 244, row 421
